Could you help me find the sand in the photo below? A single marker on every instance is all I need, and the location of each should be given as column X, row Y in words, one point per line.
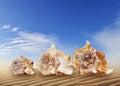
column 7, row 79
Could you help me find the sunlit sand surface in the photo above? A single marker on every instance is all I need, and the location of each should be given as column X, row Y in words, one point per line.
column 7, row 79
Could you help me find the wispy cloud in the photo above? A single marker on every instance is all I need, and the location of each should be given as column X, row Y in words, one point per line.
column 28, row 42
column 6, row 26
column 109, row 39
column 15, row 29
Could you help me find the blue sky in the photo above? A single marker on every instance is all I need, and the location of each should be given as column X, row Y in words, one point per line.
column 28, row 27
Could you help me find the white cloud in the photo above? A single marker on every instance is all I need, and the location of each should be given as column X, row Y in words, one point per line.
column 109, row 39
column 15, row 29
column 7, row 26
column 38, row 37
column 29, row 42
column 10, row 28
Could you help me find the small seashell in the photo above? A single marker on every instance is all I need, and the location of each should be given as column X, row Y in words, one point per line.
column 22, row 65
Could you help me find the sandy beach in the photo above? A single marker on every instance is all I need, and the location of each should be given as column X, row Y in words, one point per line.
column 7, row 79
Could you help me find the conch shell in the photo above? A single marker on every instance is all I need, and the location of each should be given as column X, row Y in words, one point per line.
column 22, row 65
column 54, row 62
column 88, row 60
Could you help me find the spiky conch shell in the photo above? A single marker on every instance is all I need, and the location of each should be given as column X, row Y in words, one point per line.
column 22, row 65
column 101, row 68
column 60, row 65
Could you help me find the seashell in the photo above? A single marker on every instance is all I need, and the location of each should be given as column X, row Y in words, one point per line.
column 54, row 62
column 22, row 65
column 88, row 60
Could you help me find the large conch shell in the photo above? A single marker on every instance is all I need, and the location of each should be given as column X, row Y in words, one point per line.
column 54, row 62
column 22, row 65
column 88, row 60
